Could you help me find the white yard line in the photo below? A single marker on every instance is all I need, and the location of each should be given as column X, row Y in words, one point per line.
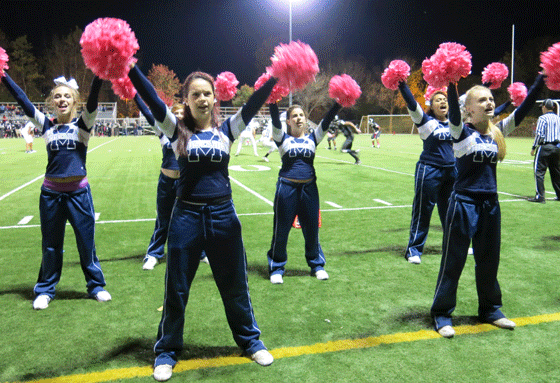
column 383, row 202
column 42, row 175
column 247, row 214
column 333, row 204
column 251, row 191
column 25, row 220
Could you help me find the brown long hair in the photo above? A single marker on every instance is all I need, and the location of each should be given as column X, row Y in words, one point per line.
column 496, row 133
column 288, row 112
column 187, row 127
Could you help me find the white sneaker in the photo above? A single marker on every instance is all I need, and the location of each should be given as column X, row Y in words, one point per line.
column 205, row 260
column 321, row 275
column 150, row 262
column 263, row 357
column 446, row 332
column 163, row 372
column 414, row 259
column 276, row 279
column 103, row 296
column 471, row 251
column 41, row 302
column 266, row 159
column 504, row 323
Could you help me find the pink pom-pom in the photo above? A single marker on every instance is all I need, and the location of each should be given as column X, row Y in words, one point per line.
column 3, row 61
column 517, row 93
column 396, row 72
column 450, row 62
column 225, row 86
column 494, row 74
column 294, row 65
column 430, row 90
column 344, row 90
column 108, row 45
column 123, row 88
column 550, row 62
column 278, row 91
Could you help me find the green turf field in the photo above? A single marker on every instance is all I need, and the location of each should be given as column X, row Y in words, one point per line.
column 372, row 294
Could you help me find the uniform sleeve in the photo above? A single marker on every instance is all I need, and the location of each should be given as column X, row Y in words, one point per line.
column 34, row 115
column 90, row 113
column 539, row 133
column 162, row 114
column 455, row 124
column 529, row 101
column 257, row 100
column 414, row 110
column 326, row 122
column 277, row 133
column 144, row 110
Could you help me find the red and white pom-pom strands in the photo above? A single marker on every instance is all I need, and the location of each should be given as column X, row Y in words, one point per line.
column 278, row 91
column 3, row 61
column 123, row 88
column 295, row 65
column 344, row 90
column 550, row 62
column 494, row 74
column 396, row 72
column 517, row 93
column 108, row 45
column 226, row 86
column 450, row 62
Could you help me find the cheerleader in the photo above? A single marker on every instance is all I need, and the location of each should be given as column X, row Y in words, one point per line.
column 296, row 190
column 65, row 193
column 474, row 212
column 435, row 170
column 204, row 217
column 166, row 190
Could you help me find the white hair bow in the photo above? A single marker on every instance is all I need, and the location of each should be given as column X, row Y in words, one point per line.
column 69, row 83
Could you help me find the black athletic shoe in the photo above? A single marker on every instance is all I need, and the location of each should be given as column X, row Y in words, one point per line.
column 539, row 200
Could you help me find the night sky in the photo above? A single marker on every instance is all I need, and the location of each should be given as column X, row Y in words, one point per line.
column 219, row 35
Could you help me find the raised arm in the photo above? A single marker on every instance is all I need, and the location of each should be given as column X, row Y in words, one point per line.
column 455, row 124
column 93, row 98
column 144, row 110
column 414, row 110
column 20, row 96
column 257, row 100
column 530, row 100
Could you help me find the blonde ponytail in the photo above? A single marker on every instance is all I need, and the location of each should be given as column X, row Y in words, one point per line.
column 500, row 141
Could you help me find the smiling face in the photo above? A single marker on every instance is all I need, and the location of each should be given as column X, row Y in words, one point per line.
column 200, row 100
column 480, row 104
column 65, row 102
column 439, row 106
column 297, row 122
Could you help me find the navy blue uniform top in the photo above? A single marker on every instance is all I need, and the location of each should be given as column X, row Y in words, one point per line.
column 66, row 143
column 437, row 140
column 298, row 154
column 204, row 171
column 477, row 153
column 168, row 159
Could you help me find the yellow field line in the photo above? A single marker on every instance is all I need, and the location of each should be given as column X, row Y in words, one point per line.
column 287, row 352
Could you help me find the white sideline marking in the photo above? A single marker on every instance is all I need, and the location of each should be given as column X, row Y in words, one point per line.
column 97, row 216
column 21, row 187
column 383, row 202
column 250, row 214
column 42, row 175
column 333, row 204
column 251, row 191
column 511, row 195
column 25, row 220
